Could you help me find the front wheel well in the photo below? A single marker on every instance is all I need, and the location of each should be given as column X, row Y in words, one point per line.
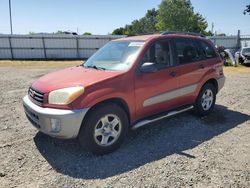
column 213, row 82
column 118, row 101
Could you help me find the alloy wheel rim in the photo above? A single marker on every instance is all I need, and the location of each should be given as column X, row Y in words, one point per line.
column 107, row 130
column 207, row 99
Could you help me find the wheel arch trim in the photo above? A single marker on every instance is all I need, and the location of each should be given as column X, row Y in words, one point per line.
column 116, row 100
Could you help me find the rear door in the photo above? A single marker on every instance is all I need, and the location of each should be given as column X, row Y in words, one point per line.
column 154, row 92
column 193, row 65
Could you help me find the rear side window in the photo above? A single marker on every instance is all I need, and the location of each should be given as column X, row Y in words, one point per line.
column 187, row 51
column 207, row 50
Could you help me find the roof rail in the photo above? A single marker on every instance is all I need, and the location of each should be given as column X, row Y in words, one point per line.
column 139, row 34
column 184, row 33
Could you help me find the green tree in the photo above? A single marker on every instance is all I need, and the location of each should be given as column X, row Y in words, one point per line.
column 179, row 15
column 208, row 33
column 119, row 31
column 145, row 25
column 247, row 10
column 221, row 34
column 59, row 32
column 149, row 21
column 87, row 33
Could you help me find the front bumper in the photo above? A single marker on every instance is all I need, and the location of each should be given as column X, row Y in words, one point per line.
column 221, row 82
column 54, row 122
column 246, row 61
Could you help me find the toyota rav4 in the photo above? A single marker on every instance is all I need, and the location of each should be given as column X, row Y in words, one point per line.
column 128, row 83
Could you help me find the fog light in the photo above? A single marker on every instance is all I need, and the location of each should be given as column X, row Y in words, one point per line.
column 55, row 125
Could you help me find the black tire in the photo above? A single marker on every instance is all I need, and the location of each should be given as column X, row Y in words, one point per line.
column 88, row 139
column 241, row 61
column 200, row 109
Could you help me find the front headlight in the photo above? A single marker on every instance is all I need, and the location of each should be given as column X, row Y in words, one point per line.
column 65, row 96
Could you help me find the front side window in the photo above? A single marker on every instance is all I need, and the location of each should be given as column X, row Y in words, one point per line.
column 158, row 53
column 187, row 51
column 115, row 56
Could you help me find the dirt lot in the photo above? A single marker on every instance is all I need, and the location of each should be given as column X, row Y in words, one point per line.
column 181, row 151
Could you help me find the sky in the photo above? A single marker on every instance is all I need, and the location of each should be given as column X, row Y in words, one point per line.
column 103, row 16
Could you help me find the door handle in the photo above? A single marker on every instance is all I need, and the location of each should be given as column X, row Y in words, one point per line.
column 173, row 74
column 202, row 66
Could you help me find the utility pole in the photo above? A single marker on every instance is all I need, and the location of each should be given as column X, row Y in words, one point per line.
column 212, row 30
column 11, row 30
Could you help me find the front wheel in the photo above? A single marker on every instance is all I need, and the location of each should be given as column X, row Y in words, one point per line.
column 105, row 128
column 206, row 100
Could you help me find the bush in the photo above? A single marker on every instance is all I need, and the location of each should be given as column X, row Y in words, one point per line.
column 228, row 63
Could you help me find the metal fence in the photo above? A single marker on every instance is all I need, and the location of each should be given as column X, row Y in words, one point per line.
column 51, row 46
column 79, row 47
column 231, row 42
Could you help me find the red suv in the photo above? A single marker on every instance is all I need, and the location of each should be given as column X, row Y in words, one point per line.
column 128, row 83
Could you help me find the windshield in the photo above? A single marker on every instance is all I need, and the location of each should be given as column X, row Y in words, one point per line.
column 246, row 50
column 116, row 56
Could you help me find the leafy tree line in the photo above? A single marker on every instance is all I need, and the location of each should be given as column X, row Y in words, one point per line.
column 172, row 15
column 61, row 32
column 147, row 24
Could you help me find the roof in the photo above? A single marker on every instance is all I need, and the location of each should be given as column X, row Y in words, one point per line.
column 162, row 35
column 140, row 38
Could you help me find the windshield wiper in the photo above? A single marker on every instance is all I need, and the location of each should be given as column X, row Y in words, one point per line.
column 95, row 67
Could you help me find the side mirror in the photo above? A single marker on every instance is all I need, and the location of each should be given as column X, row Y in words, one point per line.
column 148, row 67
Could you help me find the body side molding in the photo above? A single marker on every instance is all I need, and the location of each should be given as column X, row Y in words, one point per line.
column 170, row 95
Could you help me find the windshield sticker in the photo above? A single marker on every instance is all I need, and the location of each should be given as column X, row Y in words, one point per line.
column 138, row 44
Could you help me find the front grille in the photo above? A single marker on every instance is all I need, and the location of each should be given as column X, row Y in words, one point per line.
column 32, row 117
column 31, row 113
column 36, row 95
column 33, row 122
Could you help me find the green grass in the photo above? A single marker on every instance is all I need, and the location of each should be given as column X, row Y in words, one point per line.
column 229, row 63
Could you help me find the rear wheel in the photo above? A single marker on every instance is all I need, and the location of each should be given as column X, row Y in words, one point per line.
column 104, row 130
column 241, row 61
column 206, row 100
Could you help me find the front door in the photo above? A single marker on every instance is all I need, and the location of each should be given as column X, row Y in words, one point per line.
column 155, row 92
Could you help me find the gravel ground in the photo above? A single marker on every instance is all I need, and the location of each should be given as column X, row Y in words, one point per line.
column 183, row 151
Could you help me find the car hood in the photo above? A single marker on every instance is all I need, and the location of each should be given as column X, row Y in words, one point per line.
column 70, row 77
column 246, row 54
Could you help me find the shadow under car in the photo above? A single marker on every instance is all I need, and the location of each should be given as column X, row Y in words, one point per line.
column 145, row 145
